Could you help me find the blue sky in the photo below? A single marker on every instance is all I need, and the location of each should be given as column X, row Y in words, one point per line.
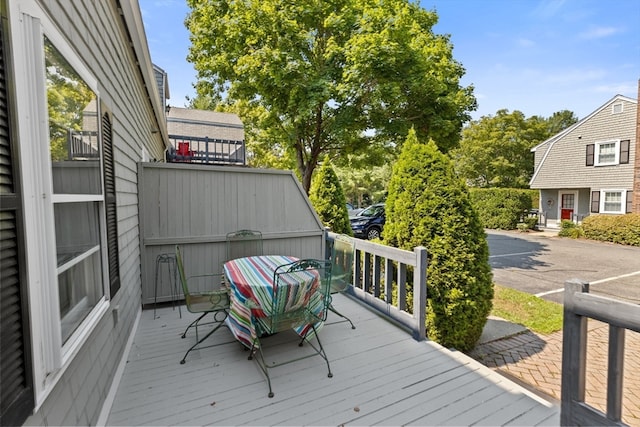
column 536, row 56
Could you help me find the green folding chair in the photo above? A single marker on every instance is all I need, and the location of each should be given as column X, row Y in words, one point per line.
column 299, row 301
column 214, row 300
column 342, row 255
column 243, row 243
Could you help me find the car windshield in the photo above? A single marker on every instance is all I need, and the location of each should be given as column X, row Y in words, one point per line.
column 372, row 211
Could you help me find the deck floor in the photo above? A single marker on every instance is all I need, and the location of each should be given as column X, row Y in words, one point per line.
column 381, row 376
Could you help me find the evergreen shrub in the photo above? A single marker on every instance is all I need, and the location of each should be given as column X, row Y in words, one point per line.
column 623, row 229
column 570, row 229
column 428, row 205
column 501, row 208
column 327, row 197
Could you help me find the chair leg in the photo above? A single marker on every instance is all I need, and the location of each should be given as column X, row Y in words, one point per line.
column 184, row 359
column 332, row 308
column 321, row 351
column 195, row 322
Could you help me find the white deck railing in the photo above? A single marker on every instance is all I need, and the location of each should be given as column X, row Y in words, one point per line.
column 579, row 306
column 381, row 276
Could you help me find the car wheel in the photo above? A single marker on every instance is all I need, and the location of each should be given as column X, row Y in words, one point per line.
column 373, row 233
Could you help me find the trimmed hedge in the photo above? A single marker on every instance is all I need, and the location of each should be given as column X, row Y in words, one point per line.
column 502, row 208
column 622, row 229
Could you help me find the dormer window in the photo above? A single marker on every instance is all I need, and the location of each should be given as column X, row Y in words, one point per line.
column 617, row 108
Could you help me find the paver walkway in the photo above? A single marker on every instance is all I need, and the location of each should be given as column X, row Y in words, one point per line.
column 536, row 360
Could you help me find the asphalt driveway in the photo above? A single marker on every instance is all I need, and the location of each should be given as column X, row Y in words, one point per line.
column 540, row 262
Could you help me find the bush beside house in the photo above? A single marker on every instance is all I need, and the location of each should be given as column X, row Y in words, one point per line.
column 429, row 206
column 327, row 197
column 502, row 208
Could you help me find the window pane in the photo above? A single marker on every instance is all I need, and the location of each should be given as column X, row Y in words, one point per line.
column 607, row 153
column 80, row 284
column 613, row 202
column 73, row 128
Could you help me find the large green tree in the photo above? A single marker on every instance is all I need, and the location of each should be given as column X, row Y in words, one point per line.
column 495, row 151
column 428, row 205
column 330, row 76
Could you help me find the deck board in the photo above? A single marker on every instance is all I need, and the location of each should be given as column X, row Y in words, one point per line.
column 381, row 376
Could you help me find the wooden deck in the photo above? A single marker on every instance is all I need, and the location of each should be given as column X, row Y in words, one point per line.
column 380, row 376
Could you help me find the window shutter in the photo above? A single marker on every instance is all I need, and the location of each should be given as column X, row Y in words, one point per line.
column 624, row 151
column 16, row 382
column 590, row 154
column 629, row 201
column 110, row 205
column 595, row 201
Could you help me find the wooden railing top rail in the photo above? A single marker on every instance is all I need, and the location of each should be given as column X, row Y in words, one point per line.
column 579, row 305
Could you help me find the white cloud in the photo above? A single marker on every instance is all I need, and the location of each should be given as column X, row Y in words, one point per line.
column 599, row 32
column 526, row 42
column 624, row 88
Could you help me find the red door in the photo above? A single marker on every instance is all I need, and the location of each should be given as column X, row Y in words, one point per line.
column 566, row 208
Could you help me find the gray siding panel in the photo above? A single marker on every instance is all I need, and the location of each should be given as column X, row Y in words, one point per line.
column 95, row 30
column 564, row 166
column 196, row 206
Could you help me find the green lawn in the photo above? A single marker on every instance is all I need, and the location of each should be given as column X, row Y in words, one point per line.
column 538, row 315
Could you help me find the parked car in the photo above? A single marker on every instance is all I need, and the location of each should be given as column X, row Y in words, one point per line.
column 353, row 211
column 368, row 224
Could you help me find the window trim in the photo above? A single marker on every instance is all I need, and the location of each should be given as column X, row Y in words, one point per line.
column 596, row 160
column 613, row 108
column 623, row 201
column 51, row 358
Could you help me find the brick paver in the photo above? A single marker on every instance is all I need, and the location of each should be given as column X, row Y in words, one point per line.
column 536, row 360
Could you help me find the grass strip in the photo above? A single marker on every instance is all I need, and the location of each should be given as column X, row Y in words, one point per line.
column 534, row 313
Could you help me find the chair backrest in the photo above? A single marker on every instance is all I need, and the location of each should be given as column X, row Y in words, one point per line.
column 342, row 255
column 243, row 243
column 300, row 295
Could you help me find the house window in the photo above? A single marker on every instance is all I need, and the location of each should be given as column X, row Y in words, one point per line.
column 613, row 201
column 617, row 108
column 607, row 153
column 78, row 195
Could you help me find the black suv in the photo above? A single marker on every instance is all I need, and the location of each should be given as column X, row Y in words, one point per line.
column 368, row 224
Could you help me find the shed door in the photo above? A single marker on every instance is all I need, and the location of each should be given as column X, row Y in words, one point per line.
column 567, row 206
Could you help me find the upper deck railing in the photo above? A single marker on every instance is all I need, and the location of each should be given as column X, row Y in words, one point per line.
column 579, row 306
column 191, row 149
column 385, row 276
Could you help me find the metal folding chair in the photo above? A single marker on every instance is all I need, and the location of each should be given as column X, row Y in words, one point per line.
column 299, row 301
column 214, row 300
column 342, row 255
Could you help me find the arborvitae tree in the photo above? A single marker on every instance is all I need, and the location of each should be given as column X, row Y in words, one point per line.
column 328, row 199
column 428, row 205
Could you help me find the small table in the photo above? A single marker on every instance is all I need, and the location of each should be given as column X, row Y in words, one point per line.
column 251, row 283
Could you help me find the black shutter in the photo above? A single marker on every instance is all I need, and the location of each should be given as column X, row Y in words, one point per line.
column 629, row 201
column 624, row 151
column 16, row 382
column 590, row 152
column 595, row 201
column 110, row 205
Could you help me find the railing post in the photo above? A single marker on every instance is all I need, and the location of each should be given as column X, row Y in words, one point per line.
column 615, row 372
column 574, row 352
column 420, row 293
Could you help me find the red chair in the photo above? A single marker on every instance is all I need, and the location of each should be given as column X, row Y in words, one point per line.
column 184, row 151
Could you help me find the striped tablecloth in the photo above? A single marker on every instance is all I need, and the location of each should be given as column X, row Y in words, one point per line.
column 251, row 283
